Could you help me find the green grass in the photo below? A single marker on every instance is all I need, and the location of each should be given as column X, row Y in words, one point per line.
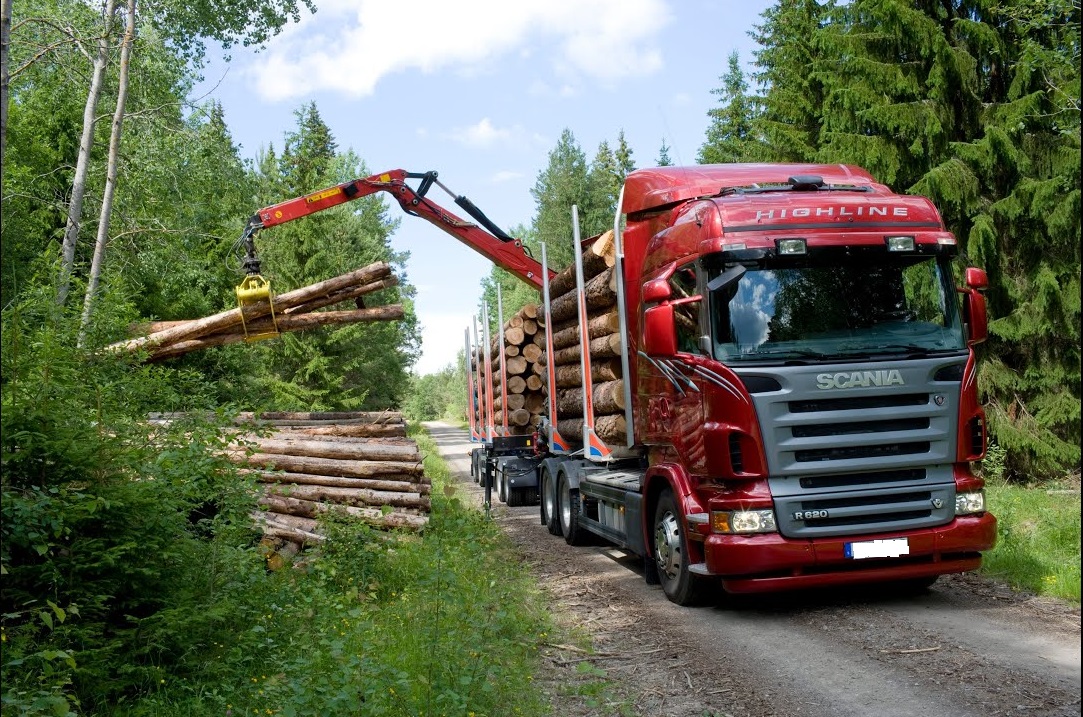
column 446, row 624
column 1038, row 538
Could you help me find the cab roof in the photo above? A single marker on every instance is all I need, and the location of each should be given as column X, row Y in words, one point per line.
column 647, row 189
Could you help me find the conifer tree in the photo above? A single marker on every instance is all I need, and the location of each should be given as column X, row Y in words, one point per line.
column 730, row 135
column 976, row 106
column 562, row 183
column 663, row 155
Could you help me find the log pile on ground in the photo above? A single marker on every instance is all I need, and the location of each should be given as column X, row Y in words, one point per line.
column 604, row 344
column 358, row 464
column 523, row 337
column 293, row 311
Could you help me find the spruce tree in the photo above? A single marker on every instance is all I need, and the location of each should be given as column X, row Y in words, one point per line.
column 974, row 104
column 730, row 136
column 663, row 155
column 562, row 183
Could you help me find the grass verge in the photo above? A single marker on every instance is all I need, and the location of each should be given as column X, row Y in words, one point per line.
column 445, row 624
column 1038, row 538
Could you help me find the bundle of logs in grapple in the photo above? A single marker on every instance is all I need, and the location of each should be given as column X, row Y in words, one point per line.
column 603, row 339
column 293, row 311
column 356, row 464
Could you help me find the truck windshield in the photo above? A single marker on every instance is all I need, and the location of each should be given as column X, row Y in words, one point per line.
column 835, row 308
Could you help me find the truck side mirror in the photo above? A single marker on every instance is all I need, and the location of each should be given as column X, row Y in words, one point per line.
column 659, row 331
column 976, row 278
column 977, row 319
column 656, row 290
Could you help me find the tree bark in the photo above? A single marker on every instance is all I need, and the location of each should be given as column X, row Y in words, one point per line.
column 332, row 449
column 375, row 417
column 350, row 496
column 358, row 430
column 598, row 257
column 398, row 486
column 226, row 319
column 602, row 347
column 601, row 325
column 5, row 80
column 82, row 163
column 611, row 429
column 106, row 214
column 599, row 292
column 608, row 398
column 324, row 466
column 282, row 505
column 284, row 324
column 571, row 375
column 348, row 294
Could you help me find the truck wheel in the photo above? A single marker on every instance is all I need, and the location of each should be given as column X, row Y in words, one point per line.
column 515, row 496
column 501, row 485
column 568, row 500
column 670, row 551
column 550, row 512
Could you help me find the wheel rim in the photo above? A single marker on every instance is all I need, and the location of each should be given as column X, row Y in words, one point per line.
column 549, row 496
column 667, row 546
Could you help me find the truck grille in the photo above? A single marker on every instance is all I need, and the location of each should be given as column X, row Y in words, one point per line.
column 860, row 461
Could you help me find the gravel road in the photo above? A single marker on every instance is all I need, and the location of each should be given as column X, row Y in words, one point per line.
column 967, row 647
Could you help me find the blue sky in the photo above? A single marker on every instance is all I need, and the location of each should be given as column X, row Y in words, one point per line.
column 480, row 91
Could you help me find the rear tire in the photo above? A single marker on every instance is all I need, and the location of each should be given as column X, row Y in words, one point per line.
column 670, row 551
column 569, row 513
column 550, row 510
column 501, row 484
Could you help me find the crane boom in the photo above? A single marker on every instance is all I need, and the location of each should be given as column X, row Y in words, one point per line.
column 491, row 242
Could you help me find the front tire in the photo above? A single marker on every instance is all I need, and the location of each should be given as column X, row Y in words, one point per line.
column 670, row 551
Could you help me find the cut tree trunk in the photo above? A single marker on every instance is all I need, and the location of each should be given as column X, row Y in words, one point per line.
column 350, row 496
column 225, row 320
column 282, row 505
column 515, row 401
column 611, row 429
column 599, row 292
column 400, row 486
column 533, row 383
column 598, row 257
column 607, row 397
column 332, row 449
column 324, row 466
column 515, row 365
column 514, row 335
column 532, row 352
column 375, row 417
column 571, row 375
column 601, row 325
column 602, row 347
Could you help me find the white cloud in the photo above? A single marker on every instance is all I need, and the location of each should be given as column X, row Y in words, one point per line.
column 350, row 45
column 482, row 134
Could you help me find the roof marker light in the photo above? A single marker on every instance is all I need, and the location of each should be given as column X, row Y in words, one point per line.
column 900, row 243
column 791, row 247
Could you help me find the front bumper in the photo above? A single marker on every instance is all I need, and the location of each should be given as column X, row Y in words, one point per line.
column 769, row 563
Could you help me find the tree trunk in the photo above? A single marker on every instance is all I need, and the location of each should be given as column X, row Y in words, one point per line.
column 105, row 217
column 571, row 375
column 530, row 311
column 282, row 505
column 596, row 258
column 532, row 352
column 602, row 347
column 515, row 365
column 82, row 163
column 375, row 417
column 514, row 335
column 5, row 78
column 360, row 430
column 601, row 325
column 519, row 417
column 348, row 294
column 608, row 398
column 514, row 401
column 350, row 496
column 399, row 486
column 611, row 429
column 600, row 292
column 284, row 324
column 324, row 466
column 226, row 319
column 364, row 451
column 533, row 383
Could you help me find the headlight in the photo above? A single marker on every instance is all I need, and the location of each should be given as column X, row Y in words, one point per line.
column 743, row 521
column 968, row 503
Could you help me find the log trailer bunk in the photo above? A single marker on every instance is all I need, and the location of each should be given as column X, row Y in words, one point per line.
column 801, row 405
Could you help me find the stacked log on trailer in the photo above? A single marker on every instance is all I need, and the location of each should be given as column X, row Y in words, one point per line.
column 523, row 336
column 293, row 311
column 359, row 465
column 604, row 345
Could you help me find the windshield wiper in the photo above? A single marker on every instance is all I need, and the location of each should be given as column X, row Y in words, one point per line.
column 909, row 349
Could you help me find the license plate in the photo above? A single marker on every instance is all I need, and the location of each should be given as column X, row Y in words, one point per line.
column 891, row 548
